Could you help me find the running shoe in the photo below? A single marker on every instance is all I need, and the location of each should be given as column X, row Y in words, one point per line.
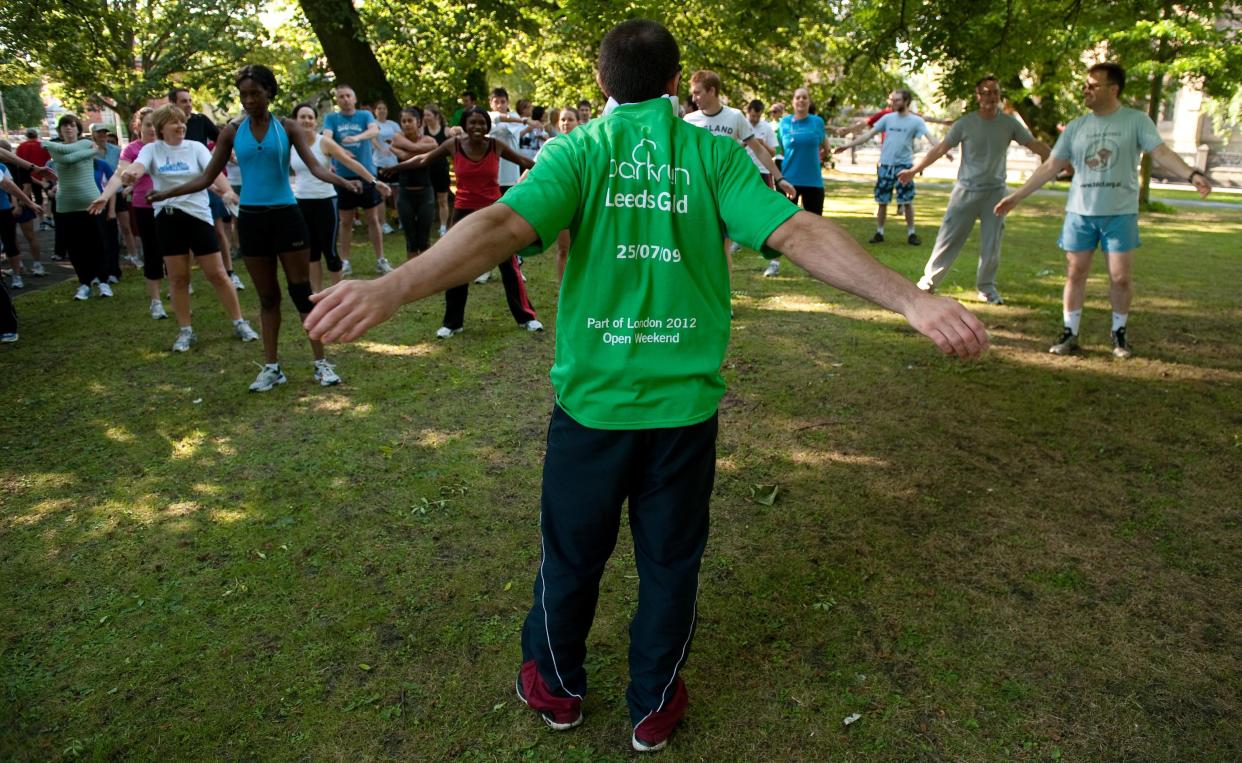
column 134, row 260
column 652, row 732
column 237, row 282
column 36, row 269
column 113, row 280
column 532, row 326
column 484, row 278
column 878, row 238
column 325, row 373
column 104, row 289
column 991, row 297
column 386, row 228
column 243, row 331
column 8, row 338
column 382, row 266
column 185, row 338
column 443, row 230
column 913, row 239
column 346, row 269
column 17, row 282
column 1066, row 345
column 268, row 377
column 560, row 713
column 157, row 310
column 773, row 269
column 83, row 293
column 734, row 247
column 444, row 332
column 1121, row 348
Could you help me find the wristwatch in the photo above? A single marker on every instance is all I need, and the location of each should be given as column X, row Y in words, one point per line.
column 1191, row 177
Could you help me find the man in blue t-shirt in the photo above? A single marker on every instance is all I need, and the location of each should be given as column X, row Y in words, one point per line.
column 900, row 129
column 1104, row 148
column 353, row 129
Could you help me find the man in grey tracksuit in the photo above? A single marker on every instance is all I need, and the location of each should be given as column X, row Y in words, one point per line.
column 984, row 136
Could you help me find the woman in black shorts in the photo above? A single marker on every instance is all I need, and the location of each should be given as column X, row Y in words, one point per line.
column 433, row 125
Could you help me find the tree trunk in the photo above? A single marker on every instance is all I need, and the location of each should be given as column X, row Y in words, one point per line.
column 1153, row 110
column 339, row 30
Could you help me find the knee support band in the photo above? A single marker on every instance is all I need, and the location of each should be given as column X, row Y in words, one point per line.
column 300, row 293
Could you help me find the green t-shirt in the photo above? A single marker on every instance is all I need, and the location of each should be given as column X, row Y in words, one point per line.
column 643, row 317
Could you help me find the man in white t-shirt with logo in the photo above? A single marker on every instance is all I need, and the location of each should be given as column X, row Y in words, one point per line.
column 507, row 127
column 1104, row 148
column 726, row 121
column 900, row 128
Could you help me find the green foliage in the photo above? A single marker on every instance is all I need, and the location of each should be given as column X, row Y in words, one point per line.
column 123, row 52
column 23, row 106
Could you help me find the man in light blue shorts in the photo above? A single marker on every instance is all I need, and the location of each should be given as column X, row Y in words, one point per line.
column 1104, row 148
column 901, row 128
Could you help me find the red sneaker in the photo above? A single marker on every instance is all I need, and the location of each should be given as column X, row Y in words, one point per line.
column 560, row 713
column 651, row 733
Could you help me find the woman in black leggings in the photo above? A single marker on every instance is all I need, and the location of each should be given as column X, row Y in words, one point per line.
column 416, row 200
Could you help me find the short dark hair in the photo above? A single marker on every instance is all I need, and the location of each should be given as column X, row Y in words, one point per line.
column 172, row 93
column 1115, row 73
column 66, row 119
column 341, row 85
column 584, row 102
column 260, row 75
column 755, row 105
column 906, row 96
column 636, row 59
column 987, row 78
column 499, row 92
column 469, row 94
column 32, row 134
column 475, row 110
column 301, row 106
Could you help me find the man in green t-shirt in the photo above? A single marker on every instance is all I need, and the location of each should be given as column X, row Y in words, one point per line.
column 642, row 329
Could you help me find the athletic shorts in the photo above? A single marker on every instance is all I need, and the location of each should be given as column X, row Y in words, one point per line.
column 218, row 209
column 181, row 233
column 268, row 231
column 439, row 173
column 886, row 182
column 122, row 204
column 23, row 214
column 346, row 200
column 1111, row 233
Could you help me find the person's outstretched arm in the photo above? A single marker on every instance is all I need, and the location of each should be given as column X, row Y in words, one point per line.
column 219, row 157
column 1168, row 159
column 473, row 246
column 940, row 149
column 830, row 254
column 1046, row 171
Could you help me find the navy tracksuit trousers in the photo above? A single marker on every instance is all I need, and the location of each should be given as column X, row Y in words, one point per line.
column 666, row 475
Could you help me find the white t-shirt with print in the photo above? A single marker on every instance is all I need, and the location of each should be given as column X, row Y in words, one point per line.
column 170, row 166
column 728, row 122
column 507, row 133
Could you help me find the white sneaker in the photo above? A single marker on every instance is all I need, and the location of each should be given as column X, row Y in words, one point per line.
column 325, row 374
column 185, row 338
column 773, row 269
column 243, row 331
column 268, row 377
column 346, row 269
column 533, row 326
column 83, row 293
column 382, row 266
column 237, row 282
column 443, row 230
column 8, row 338
column 36, row 269
column 386, row 228
column 991, row 297
column 484, row 278
column 17, row 282
column 157, row 310
column 734, row 247
column 134, row 260
column 104, row 289
column 444, row 332
column 113, row 280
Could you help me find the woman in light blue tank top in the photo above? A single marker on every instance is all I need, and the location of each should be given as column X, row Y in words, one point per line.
column 269, row 224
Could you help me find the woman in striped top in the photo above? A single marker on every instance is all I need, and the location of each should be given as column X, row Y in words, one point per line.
column 75, row 164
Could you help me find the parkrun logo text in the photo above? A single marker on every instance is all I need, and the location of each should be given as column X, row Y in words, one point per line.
column 641, row 168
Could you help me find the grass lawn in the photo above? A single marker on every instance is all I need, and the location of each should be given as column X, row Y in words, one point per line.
column 1026, row 557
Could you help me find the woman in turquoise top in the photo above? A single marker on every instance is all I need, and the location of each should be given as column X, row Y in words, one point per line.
column 269, row 225
column 81, row 232
column 803, row 138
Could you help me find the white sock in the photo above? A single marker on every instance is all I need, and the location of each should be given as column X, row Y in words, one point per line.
column 157, row 302
column 187, row 329
column 273, row 366
column 879, row 229
column 909, row 230
column 1072, row 318
column 239, row 320
column 1119, row 321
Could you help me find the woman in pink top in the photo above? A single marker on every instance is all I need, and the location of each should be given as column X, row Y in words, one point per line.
column 142, row 214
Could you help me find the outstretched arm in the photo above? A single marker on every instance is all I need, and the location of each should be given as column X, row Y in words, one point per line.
column 11, row 187
column 830, row 254
column 764, row 155
column 1046, row 171
column 1168, row 159
column 513, row 156
column 420, row 160
column 473, row 246
column 124, row 171
column 939, row 150
column 861, row 139
column 301, row 143
column 1039, row 148
column 67, row 153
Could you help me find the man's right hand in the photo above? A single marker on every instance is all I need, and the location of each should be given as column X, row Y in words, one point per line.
column 953, row 328
column 349, row 309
